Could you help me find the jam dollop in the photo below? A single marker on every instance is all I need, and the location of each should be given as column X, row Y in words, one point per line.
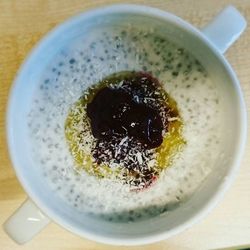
column 114, row 112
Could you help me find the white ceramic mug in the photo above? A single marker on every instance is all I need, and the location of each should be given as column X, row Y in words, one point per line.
column 208, row 45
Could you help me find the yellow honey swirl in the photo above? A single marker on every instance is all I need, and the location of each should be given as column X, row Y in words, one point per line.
column 77, row 126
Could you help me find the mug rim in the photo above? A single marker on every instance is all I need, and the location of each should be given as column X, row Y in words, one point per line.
column 166, row 17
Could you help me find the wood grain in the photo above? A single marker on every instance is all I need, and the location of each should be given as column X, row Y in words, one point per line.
column 22, row 24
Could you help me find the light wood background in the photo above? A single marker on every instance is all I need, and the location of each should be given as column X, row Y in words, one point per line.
column 22, row 24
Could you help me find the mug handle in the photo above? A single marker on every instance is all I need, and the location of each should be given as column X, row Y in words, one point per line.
column 222, row 31
column 26, row 222
column 225, row 28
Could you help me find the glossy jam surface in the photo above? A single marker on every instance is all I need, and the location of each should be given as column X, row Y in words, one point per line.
column 119, row 112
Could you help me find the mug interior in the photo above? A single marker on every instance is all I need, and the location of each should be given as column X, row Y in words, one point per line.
column 155, row 228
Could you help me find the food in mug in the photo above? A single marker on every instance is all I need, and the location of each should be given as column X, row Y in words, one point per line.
column 81, row 64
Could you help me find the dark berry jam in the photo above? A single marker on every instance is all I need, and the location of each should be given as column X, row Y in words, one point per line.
column 115, row 113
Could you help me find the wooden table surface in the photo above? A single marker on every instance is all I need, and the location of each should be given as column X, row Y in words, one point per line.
column 22, row 24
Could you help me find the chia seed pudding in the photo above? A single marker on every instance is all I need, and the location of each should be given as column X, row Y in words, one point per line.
column 182, row 161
